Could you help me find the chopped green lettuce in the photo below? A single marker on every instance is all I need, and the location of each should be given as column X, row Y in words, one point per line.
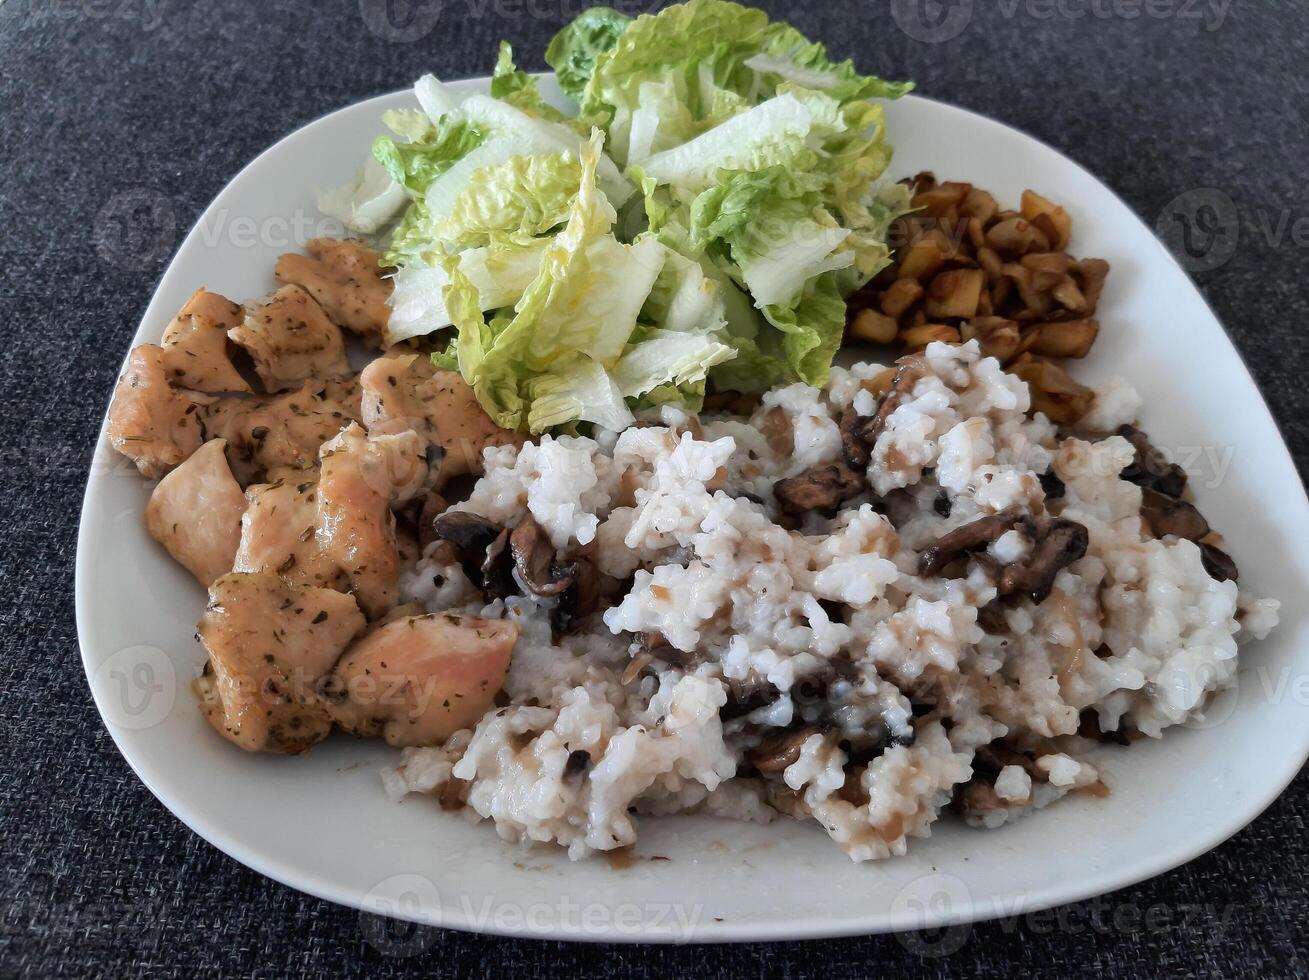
column 573, row 51
column 696, row 227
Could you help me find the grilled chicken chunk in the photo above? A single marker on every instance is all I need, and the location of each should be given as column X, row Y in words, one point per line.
column 150, row 422
column 361, row 476
column 418, row 680
column 281, row 435
column 270, row 644
column 291, row 339
column 279, row 534
column 195, row 512
column 195, row 344
column 345, row 278
column 404, row 392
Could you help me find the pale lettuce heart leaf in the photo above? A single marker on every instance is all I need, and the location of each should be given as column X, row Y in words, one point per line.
column 503, row 121
column 578, row 388
column 368, row 202
column 521, row 197
column 572, row 323
column 683, row 297
column 771, row 134
column 668, row 357
column 790, row 56
column 500, row 275
column 437, row 98
column 663, row 118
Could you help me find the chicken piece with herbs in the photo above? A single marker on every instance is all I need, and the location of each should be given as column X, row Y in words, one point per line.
column 279, row 436
column 403, row 392
column 195, row 513
column 278, row 534
column 361, row 477
column 195, row 344
column 291, row 339
column 270, row 644
column 420, row 679
column 150, row 422
column 346, row 279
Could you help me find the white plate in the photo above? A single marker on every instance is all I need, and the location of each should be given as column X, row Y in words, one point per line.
column 321, row 822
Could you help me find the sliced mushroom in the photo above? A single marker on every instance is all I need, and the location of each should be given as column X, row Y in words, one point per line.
column 1166, row 515
column 968, row 537
column 909, row 371
column 582, row 596
column 470, row 535
column 1150, row 468
column 1058, row 543
column 777, row 752
column 852, row 440
column 822, row 487
column 1218, row 563
column 497, row 567
column 534, row 559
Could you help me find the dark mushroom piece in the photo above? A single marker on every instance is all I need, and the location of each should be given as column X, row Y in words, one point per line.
column 1088, row 726
column 1218, row 563
column 852, row 440
column 434, row 505
column 580, row 599
column 968, row 537
column 988, row 760
column 823, row 487
column 471, row 536
column 746, row 696
column 976, row 797
column 1058, row 543
column 1054, row 487
column 776, row 752
column 1150, row 468
column 534, row 558
column 497, row 568
column 909, row 371
column 1166, row 515
column 992, row 619
column 578, row 761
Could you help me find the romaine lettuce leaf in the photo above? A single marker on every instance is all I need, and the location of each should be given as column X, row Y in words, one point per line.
column 500, row 275
column 570, row 326
column 521, row 198
column 573, row 51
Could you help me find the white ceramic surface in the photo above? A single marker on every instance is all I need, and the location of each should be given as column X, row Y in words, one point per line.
column 321, row 822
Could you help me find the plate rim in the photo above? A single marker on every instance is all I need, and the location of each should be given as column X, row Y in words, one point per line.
column 309, row 881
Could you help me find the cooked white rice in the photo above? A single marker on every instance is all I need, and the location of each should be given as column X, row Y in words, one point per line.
column 830, row 619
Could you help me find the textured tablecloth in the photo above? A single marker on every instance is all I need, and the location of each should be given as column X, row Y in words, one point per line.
column 110, row 101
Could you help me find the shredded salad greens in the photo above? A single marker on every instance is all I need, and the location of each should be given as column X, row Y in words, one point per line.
column 696, row 222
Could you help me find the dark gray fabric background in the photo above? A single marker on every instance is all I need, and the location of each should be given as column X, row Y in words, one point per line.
column 105, row 98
